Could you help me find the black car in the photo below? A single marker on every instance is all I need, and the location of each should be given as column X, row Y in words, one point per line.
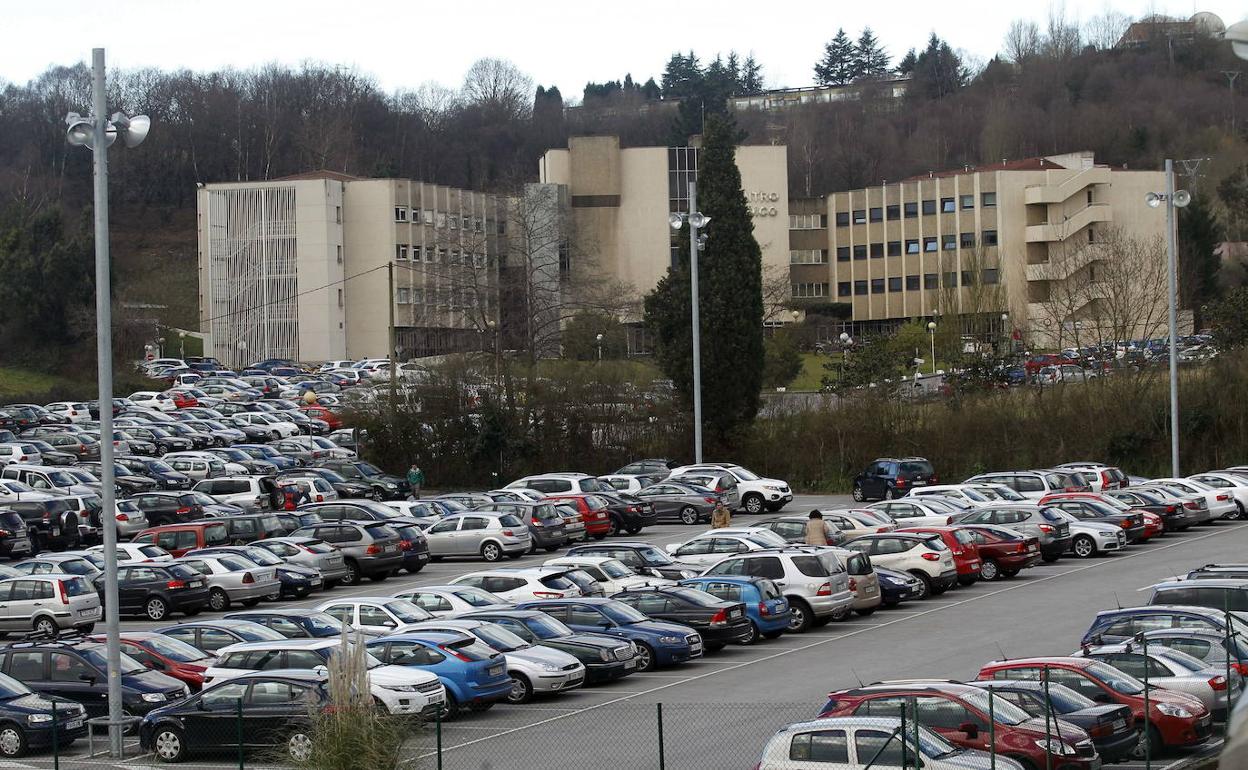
column 50, row 455
column 897, row 587
column 51, row 523
column 78, row 671
column 164, row 440
column 606, row 658
column 27, row 717
column 650, row 467
column 14, row 537
column 642, row 558
column 345, row 488
column 211, row 635
column 1111, row 726
column 352, row 510
column 890, row 477
column 293, row 622
column 412, row 542
column 198, row 439
column 383, row 485
column 165, row 477
column 127, row 481
column 155, row 590
column 252, row 432
column 720, row 622
column 628, row 513
column 163, row 508
column 1173, row 514
column 262, row 710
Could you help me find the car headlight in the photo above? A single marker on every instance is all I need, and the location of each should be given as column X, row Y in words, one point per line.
column 671, row 640
column 773, row 487
column 153, row 697
column 604, row 654
column 400, row 687
column 35, row 719
column 1054, row 746
column 687, row 573
column 391, row 486
column 549, row 667
column 1174, row 711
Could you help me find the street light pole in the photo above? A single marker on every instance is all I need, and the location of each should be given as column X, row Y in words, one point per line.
column 696, row 222
column 931, row 331
column 1172, row 296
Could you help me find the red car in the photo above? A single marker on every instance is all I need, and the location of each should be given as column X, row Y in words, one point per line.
column 182, row 399
column 593, row 510
column 169, row 656
column 1038, row 362
column 321, row 413
column 963, row 546
column 1002, row 552
column 959, row 713
column 1174, row 718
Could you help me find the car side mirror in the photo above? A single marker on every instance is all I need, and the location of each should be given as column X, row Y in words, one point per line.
column 88, row 678
column 605, row 624
column 672, row 547
column 971, row 729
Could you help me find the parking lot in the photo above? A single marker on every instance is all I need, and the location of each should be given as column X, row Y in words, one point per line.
column 719, row 711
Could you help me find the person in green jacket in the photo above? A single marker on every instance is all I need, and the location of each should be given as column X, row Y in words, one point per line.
column 415, row 479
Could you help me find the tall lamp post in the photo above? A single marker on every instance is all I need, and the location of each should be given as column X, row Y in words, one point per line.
column 241, row 345
column 846, row 342
column 696, row 221
column 98, row 132
column 598, row 339
column 1173, row 200
column 931, row 332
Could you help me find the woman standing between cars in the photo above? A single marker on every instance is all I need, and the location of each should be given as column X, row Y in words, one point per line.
column 816, row 533
column 721, row 517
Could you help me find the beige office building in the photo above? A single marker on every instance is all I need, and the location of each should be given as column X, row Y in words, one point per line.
column 298, row 268
column 1023, row 238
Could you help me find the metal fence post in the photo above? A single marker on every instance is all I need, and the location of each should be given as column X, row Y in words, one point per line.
column 992, row 731
column 662, row 756
column 439, row 734
column 56, row 747
column 1048, row 735
column 239, row 731
column 918, row 762
column 904, row 759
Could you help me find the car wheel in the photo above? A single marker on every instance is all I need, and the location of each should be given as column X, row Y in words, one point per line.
column 552, row 548
column 688, row 515
column 753, row 503
column 800, row 617
column 521, row 691
column 299, row 747
column 155, row 609
column 1083, row 547
column 275, row 436
column 1238, row 513
column 842, row 615
column 491, row 552
column 12, row 740
column 1009, row 573
column 514, row 555
column 859, row 495
column 613, row 528
column 633, row 530
column 451, row 708
column 46, row 626
column 218, row 601
column 1155, row 745
column 416, row 569
column 352, row 578
column 927, row 584
column 250, row 602
column 645, row 657
column 377, row 495
column 988, row 569
column 751, row 637
column 169, row 744
column 714, row 646
column 1049, row 558
column 773, row 634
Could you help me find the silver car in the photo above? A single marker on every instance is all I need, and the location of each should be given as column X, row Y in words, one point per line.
column 48, row 604
column 233, row 579
column 488, row 535
column 1172, row 670
column 449, row 601
column 812, row 578
column 1046, row 524
column 308, row 552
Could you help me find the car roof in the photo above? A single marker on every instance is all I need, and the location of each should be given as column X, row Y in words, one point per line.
column 510, row 612
column 428, row 636
column 937, row 685
column 1159, row 608
column 1240, row 583
column 213, row 623
column 592, row 600
column 1068, row 660
column 303, row 644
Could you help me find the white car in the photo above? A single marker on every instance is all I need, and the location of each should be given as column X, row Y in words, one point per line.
column 153, row 400
column 916, row 512
column 1220, row 501
column 971, row 493
column 1093, row 538
column 627, row 484
column 404, row 690
column 74, row 411
column 523, row 584
column 757, row 493
column 11, row 491
column 374, row 614
column 1233, row 483
column 558, row 483
column 451, row 600
column 19, row 452
column 922, row 555
column 339, row 365
column 136, row 553
column 1098, row 475
column 1034, row 484
column 709, row 547
column 277, row 428
column 612, row 574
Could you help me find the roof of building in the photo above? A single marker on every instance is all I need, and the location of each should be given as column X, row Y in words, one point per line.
column 1025, row 164
column 324, row 173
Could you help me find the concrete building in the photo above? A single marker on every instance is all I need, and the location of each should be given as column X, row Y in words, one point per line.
column 1024, row 238
column 299, row 267
column 784, row 98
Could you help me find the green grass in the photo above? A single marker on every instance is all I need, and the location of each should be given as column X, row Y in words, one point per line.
column 15, row 382
column 812, row 372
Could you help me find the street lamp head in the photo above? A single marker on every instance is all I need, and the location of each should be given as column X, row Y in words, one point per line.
column 698, row 219
column 931, row 326
column 844, row 337
column 599, row 337
column 81, row 131
column 1237, row 33
column 1182, row 198
column 676, row 220
column 133, row 130
column 1153, row 200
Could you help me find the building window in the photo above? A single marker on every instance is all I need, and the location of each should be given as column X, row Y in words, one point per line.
column 988, row 199
column 876, row 214
column 990, row 276
column 949, row 242
column 894, row 248
column 968, row 278
column 428, row 216
column 429, row 254
column 454, row 220
column 805, row 221
column 441, row 256
column 968, row 240
column 990, row 237
column 338, row 212
column 930, row 281
column 892, row 212
column 400, row 251
column 860, row 216
column 400, row 214
column 339, row 250
column 948, row 206
column 912, row 246
column 968, row 201
column 929, row 207
column 502, row 227
column 466, row 222
column 894, row 284
column 860, row 251
column 404, row 296
column 860, row 288
column 340, row 298
column 912, row 210
column 440, row 219
column 1091, row 235
column 809, row 290
column 844, row 289
column 808, row 257
column 951, row 280
column 912, row 283
column 877, row 285
column 842, row 219
column 1090, row 196
column 929, row 244
column 842, row 253
column 877, row 250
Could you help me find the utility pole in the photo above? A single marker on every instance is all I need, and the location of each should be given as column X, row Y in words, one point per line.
column 391, row 355
column 1230, row 82
column 1172, row 249
column 694, row 247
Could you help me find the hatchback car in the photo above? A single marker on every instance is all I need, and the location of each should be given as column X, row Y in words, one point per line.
column 48, row 604
column 718, row 621
column 490, row 536
column 156, row 590
column 374, row 614
column 923, row 555
column 1047, row 526
column 814, row 581
column 765, row 606
column 211, row 635
column 657, row 643
column 164, row 654
column 474, row 674
column 369, row 549
column 1110, row 726
column 1003, row 553
column 308, row 552
column 961, row 543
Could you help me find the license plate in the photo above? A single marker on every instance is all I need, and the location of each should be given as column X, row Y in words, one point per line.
column 496, row 670
column 1031, row 548
column 734, row 614
column 869, row 590
column 56, row 532
column 195, row 584
column 74, row 724
column 630, row 663
column 1119, row 724
column 390, row 548
column 436, row 698
column 316, row 581
column 918, row 483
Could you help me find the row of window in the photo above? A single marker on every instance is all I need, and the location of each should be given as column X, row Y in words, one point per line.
column 808, row 257
column 809, row 290
column 947, row 242
column 989, row 276
column 808, row 221
column 442, row 219
column 444, row 297
column 911, row 210
column 440, row 255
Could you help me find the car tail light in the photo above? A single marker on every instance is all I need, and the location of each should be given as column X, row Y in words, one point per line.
column 373, row 550
column 900, row 482
column 710, row 500
column 1126, row 523
column 930, row 556
column 60, row 590
column 1099, row 731
column 508, row 533
column 1020, row 547
column 1172, row 508
column 175, row 585
column 762, row 609
column 184, row 509
column 405, row 545
column 320, row 498
column 123, row 517
column 853, row 584
column 23, row 457
column 719, row 618
column 248, row 577
column 1242, row 668
column 1046, row 528
column 949, row 521
column 1191, row 505
column 1218, row 682
column 458, row 655
column 1105, row 479
column 1224, row 498
column 824, row 590
column 547, row 595
column 5, row 533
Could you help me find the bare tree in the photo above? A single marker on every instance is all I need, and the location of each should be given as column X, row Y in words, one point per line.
column 971, row 298
column 1022, row 41
column 499, row 86
column 1062, row 39
column 1105, row 30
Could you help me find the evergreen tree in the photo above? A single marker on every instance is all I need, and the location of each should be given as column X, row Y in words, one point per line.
column 1199, row 234
column 48, row 276
column 730, row 294
column 938, row 71
column 907, row 64
column 651, row 91
column 870, row 60
column 681, row 76
column 836, row 66
column 751, row 77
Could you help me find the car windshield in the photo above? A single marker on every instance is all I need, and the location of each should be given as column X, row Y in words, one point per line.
column 745, row 475
column 77, row 567
column 236, row 563
column 1183, row 660
column 622, row 613
column 546, row 627
column 653, row 556
column 174, row 649
column 152, row 551
column 368, row 469
column 159, row 467
column 321, row 623
column 407, row 612
column 11, row 688
column 478, row 597
column 499, row 638
column 83, row 476
column 96, row 657
column 263, row 558
column 766, row 538
column 695, row 596
column 1003, row 711
column 61, row 479
column 615, row 569
column 1115, row 679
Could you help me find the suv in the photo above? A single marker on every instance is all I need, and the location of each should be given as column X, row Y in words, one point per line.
column 544, row 522
column 382, row 485
column 925, row 556
column 756, row 493
column 890, row 477
column 1048, row 526
column 1220, row 594
column 177, row 539
column 558, row 483
column 51, row 521
column 813, row 579
column 1035, row 484
column 45, row 479
column 369, row 549
column 642, row 558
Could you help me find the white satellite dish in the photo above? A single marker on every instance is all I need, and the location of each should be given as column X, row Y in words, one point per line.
column 1209, row 23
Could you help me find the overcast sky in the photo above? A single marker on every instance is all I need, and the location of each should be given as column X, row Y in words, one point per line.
column 560, row 42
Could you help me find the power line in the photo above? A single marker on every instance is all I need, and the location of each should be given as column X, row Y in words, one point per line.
column 279, row 300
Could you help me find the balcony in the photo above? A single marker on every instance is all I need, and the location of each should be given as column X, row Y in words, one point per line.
column 1063, row 191
column 1055, row 233
column 1065, row 265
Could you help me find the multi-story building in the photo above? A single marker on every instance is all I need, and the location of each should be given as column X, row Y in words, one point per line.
column 300, row 267
column 1021, row 241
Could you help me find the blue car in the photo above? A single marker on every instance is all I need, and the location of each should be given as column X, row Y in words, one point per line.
column 765, row 606
column 474, row 675
column 658, row 643
column 897, row 587
column 1120, row 625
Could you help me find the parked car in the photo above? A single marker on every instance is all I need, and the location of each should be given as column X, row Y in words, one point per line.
column 793, row 529
column 369, row 549
column 897, row 586
column 722, row 483
column 1221, row 594
column 756, row 492
column 1204, row 645
column 232, row 578
column 1087, row 508
column 28, row 719
column 1122, row 624
column 1111, row 726
column 374, row 614
column 296, row 580
column 158, row 470
column 706, row 548
column 1172, row 670
column 642, row 558
column 915, row 512
column 890, row 477
column 165, row 654
column 294, row 622
column 605, row 658
column 1047, row 526
column 922, row 555
column 177, row 539
column 50, row 522
column 491, row 536
column 47, row 604
column 452, row 600
column 611, row 574
column 1003, row 553
column 679, row 502
column 311, row 553
column 961, row 544
column 718, row 621
column 657, row 643
column 1034, row 484
column 627, row 513
column 383, row 486
column 211, row 636
column 813, row 578
column 474, row 675
column 250, row 493
column 521, row 584
column 546, row 526
column 592, row 508
column 765, row 607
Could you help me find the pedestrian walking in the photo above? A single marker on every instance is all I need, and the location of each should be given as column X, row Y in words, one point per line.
column 416, row 480
column 721, row 517
column 816, row 530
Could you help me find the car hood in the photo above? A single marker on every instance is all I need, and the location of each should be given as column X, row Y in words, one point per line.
column 593, row 641
column 660, row 627
column 1190, row 702
column 973, row 759
column 540, row 655
column 397, row 675
column 152, row 681
column 298, row 569
column 1070, row 732
column 1093, row 526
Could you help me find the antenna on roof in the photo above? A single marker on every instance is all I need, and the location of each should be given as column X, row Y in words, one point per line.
column 1117, row 601
column 855, row 673
column 1000, row 650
